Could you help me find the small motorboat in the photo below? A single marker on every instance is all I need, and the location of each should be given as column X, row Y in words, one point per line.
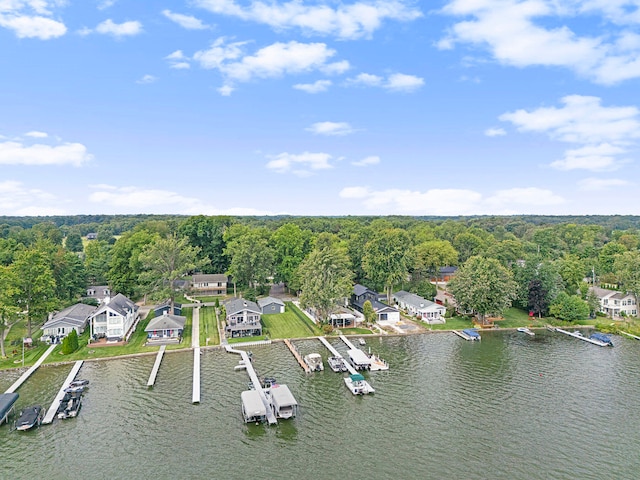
column 358, row 385
column 601, row 337
column 314, row 360
column 30, row 417
column 79, row 383
column 337, row 364
column 75, row 389
column 69, row 406
column 526, row 330
column 361, row 341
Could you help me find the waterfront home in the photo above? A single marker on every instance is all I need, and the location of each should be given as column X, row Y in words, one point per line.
column 385, row 313
column 102, row 293
column 424, row 309
column 166, row 307
column 209, row 284
column 616, row 304
column 271, row 305
column 243, row 318
column 342, row 319
column 114, row 320
column 166, row 328
column 445, row 274
column 60, row 324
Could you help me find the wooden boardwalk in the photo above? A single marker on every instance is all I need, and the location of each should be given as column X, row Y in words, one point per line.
column 51, row 413
column 297, row 356
column 27, row 374
column 156, row 366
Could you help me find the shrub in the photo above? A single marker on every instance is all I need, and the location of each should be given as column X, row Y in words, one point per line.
column 327, row 328
column 70, row 343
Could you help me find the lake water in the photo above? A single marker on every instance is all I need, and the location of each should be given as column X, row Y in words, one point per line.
column 508, row 407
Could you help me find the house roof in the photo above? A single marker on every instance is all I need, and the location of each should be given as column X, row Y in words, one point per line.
column 412, row 299
column 361, row 289
column 75, row 316
column 166, row 322
column 119, row 304
column 604, row 293
column 210, row 277
column 268, row 300
column 448, row 270
column 236, row 305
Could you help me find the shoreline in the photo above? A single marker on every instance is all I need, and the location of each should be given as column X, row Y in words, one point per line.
column 276, row 340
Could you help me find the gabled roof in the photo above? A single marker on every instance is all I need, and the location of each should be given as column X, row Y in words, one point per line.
column 119, row 304
column 236, row 305
column 361, row 289
column 448, row 270
column 412, row 299
column 75, row 316
column 210, row 277
column 268, row 300
column 166, row 322
column 603, row 293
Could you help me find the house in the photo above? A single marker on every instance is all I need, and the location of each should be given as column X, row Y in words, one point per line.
column 102, row 293
column 166, row 328
column 271, row 305
column 92, row 236
column 114, row 320
column 445, row 274
column 60, row 325
column 616, row 304
column 166, row 307
column 384, row 312
column 426, row 310
column 209, row 284
column 342, row 319
column 243, row 318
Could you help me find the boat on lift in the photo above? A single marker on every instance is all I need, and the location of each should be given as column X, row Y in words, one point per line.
column 29, row 418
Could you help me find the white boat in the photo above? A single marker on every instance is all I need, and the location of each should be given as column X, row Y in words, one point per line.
column 361, row 341
column 378, row 363
column 337, row 364
column 358, row 385
column 526, row 330
column 69, row 406
column 314, row 360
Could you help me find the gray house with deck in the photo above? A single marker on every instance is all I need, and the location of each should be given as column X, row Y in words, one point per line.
column 243, row 318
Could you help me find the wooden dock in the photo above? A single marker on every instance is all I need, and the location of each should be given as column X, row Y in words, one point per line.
column 297, row 356
column 27, row 374
column 579, row 336
column 347, row 364
column 51, row 413
column 257, row 385
column 629, row 335
column 196, row 376
column 156, row 366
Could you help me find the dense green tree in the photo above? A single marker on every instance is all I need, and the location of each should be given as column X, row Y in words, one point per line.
column 368, row 312
column 69, row 343
column 468, row 244
column 69, row 274
column 627, row 266
column 125, row 266
column 8, row 310
column 207, row 233
column 572, row 270
column 536, row 269
column 325, row 278
column 35, row 286
column 569, row 308
column 47, row 231
column 73, row 242
column 251, row 259
column 96, row 262
column 506, row 251
column 430, row 256
column 538, row 299
column 484, row 286
column 387, row 258
column 607, row 256
column 165, row 261
column 291, row 245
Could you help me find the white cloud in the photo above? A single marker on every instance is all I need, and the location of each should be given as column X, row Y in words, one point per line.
column 538, row 32
column 315, row 87
column 602, row 134
column 271, row 61
column 17, row 199
column 104, row 4
column 494, row 132
column 367, row 161
column 301, row 165
column 397, row 82
column 30, row 19
column 146, row 79
column 136, row 200
column 185, row 21
column 17, row 153
column 118, row 30
column 599, row 184
column 353, row 21
column 331, row 128
column 36, row 134
column 178, row 60
column 225, row 90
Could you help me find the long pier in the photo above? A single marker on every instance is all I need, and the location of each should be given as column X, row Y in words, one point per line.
column 629, row 335
column 257, row 385
column 297, row 356
column 582, row 337
column 156, row 366
column 51, row 413
column 195, row 344
column 27, row 374
column 347, row 364
column 348, row 343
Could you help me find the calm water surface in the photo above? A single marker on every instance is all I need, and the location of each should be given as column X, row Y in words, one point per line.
column 508, row 407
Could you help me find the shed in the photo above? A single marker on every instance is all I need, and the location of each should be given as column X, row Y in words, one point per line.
column 271, row 305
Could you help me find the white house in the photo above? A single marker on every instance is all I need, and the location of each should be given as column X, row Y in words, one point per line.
column 386, row 315
column 613, row 303
column 114, row 319
column 60, row 325
column 426, row 310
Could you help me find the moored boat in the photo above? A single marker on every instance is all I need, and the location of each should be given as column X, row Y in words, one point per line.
column 337, row 364
column 79, row 383
column 358, row 385
column 601, row 337
column 378, row 363
column 30, row 417
column 361, row 341
column 69, row 406
column 526, row 330
column 314, row 360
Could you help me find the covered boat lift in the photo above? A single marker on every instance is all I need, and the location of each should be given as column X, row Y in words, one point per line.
column 283, row 402
column 7, row 401
column 253, row 409
column 359, row 359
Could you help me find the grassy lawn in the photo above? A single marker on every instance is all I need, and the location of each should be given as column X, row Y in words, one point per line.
column 354, row 331
column 453, row 323
column 208, row 326
column 247, row 339
column 212, row 298
column 290, row 324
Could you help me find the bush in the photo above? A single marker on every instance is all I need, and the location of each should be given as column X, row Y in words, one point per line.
column 70, row 343
column 327, row 328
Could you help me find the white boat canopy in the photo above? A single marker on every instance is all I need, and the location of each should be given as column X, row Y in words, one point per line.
column 252, row 404
column 358, row 357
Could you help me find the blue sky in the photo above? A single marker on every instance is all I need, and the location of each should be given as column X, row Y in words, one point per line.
column 303, row 107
